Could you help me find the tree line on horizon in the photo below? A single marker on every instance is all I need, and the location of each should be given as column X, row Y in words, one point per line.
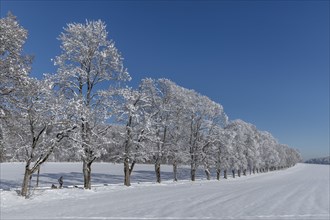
column 319, row 160
column 85, row 112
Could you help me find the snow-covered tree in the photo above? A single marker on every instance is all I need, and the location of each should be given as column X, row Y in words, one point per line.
column 14, row 69
column 28, row 111
column 238, row 158
column 215, row 119
column 159, row 100
column 224, row 152
column 176, row 151
column 293, row 157
column 36, row 126
column 88, row 60
column 199, row 117
column 246, row 145
column 268, row 152
column 164, row 108
column 280, row 148
column 14, row 65
column 132, row 112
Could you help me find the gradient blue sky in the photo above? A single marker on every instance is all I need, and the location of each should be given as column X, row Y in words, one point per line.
column 266, row 62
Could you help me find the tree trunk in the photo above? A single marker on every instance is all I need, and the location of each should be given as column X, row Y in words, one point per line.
column 175, row 169
column 218, row 174
column 25, row 185
column 225, row 174
column 244, row 172
column 254, row 170
column 233, row 171
column 193, row 169
column 127, row 180
column 239, row 173
column 193, row 174
column 87, row 174
column 132, row 167
column 157, row 170
column 38, row 173
column 208, row 174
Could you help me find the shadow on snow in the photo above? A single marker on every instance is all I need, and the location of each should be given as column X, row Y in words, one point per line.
column 76, row 178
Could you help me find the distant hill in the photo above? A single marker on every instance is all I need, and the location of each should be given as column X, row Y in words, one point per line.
column 321, row 160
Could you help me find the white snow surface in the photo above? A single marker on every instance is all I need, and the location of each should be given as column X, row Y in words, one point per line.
column 300, row 192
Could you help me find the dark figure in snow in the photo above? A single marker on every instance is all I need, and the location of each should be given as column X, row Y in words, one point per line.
column 60, row 181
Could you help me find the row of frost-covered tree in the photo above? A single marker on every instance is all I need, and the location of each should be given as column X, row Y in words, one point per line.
column 85, row 112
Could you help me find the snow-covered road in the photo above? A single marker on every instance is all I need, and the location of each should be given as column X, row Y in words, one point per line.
column 301, row 192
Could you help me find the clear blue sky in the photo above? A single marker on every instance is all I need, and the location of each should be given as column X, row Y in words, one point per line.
column 266, row 62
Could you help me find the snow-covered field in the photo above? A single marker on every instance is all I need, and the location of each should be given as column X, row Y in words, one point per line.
column 301, row 192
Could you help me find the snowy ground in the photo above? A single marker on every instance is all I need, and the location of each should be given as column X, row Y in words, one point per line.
column 301, row 192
